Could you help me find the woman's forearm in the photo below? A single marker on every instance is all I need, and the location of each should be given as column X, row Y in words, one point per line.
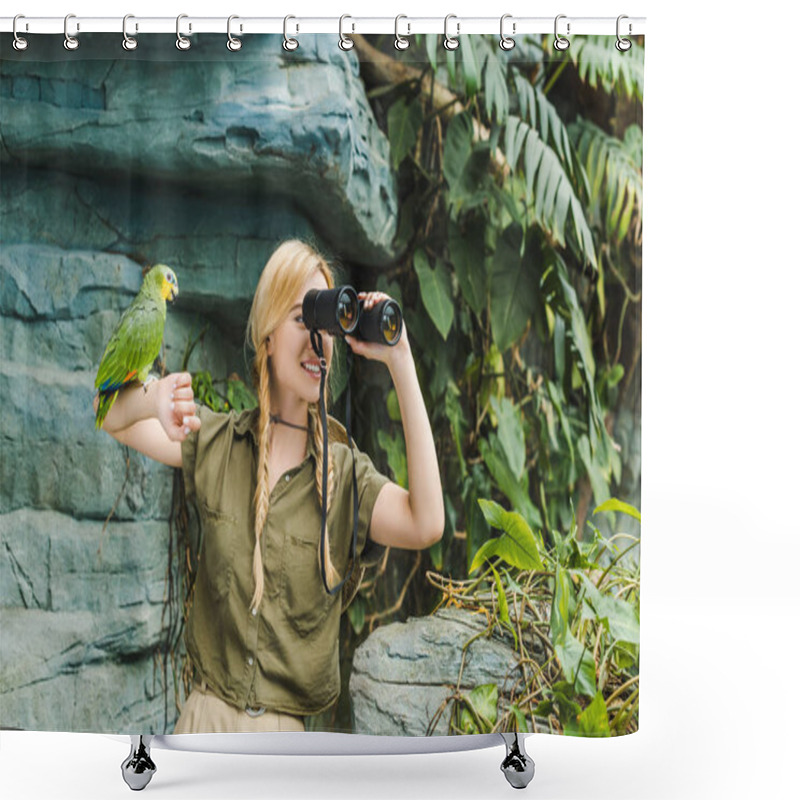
column 424, row 481
column 132, row 405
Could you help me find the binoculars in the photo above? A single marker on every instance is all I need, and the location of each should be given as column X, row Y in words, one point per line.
column 339, row 312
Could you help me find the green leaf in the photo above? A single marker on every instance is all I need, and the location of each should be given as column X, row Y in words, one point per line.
column 559, row 612
column 467, row 253
column 593, row 720
column 470, row 66
column 496, row 89
column 510, row 434
column 457, row 148
column 512, row 289
column 517, row 545
column 623, row 624
column 436, row 292
column 394, row 447
column 356, row 611
column 522, row 721
column 393, row 406
column 515, row 490
column 484, row 701
column 612, row 504
column 404, row 122
column 577, row 663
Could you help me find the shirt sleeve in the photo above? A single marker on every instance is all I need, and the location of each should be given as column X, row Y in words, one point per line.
column 197, row 446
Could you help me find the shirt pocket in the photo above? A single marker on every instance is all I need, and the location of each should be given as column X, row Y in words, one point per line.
column 303, row 598
column 219, row 530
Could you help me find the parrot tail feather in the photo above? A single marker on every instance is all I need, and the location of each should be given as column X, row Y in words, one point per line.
column 103, row 407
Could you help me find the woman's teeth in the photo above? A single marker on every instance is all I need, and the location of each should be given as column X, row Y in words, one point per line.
column 312, row 368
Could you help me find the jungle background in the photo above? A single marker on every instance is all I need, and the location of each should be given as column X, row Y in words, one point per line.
column 515, row 192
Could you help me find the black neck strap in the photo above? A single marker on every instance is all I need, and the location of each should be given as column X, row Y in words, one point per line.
column 316, row 343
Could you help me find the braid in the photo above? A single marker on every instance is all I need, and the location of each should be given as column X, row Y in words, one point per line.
column 262, row 484
column 331, row 575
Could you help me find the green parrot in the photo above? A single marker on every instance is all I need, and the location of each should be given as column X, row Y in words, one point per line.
column 136, row 341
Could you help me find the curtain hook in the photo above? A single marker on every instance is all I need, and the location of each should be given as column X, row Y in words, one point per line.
column 233, row 44
column 451, row 42
column 623, row 45
column 400, row 42
column 182, row 43
column 561, row 43
column 70, row 42
column 19, row 42
column 345, row 42
column 506, row 42
column 128, row 42
column 289, row 44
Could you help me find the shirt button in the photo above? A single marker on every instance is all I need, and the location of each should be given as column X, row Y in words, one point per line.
column 287, row 479
column 250, row 661
column 255, row 611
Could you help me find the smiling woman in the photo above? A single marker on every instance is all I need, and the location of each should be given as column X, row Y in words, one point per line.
column 263, row 629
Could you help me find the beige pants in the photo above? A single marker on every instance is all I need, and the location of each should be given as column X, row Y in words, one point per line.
column 204, row 712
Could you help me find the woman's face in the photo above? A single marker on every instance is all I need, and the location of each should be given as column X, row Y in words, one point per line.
column 294, row 367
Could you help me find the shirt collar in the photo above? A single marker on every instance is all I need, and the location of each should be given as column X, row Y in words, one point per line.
column 246, row 423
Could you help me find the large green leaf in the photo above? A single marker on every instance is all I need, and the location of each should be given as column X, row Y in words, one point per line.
column 613, row 504
column 548, row 187
column 623, row 624
column 512, row 289
column 593, row 720
column 457, row 148
column 467, row 252
column 510, row 434
column 404, row 121
column 515, row 490
column 516, row 546
column 578, row 665
column 599, row 63
column 436, row 292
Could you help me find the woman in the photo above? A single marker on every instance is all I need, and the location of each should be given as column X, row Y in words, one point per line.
column 262, row 631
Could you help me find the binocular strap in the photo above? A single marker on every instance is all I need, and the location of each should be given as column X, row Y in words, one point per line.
column 316, row 343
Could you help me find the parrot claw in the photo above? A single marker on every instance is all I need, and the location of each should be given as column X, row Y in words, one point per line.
column 150, row 379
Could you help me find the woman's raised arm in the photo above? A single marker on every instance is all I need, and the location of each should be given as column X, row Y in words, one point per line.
column 157, row 420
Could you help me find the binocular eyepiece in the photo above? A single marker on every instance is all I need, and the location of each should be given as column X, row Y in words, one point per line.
column 339, row 312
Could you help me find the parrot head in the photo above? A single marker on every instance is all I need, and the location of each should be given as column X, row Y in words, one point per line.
column 164, row 281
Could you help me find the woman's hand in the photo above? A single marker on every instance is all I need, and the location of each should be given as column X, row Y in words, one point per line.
column 391, row 355
column 176, row 409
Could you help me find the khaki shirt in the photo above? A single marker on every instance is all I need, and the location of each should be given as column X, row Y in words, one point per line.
column 285, row 657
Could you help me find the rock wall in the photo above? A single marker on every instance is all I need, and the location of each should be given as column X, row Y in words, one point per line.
column 110, row 161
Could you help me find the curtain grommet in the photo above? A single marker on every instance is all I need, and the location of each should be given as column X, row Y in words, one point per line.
column 401, row 42
column 233, row 44
column 451, row 42
column 289, row 44
column 128, row 42
column 507, row 42
column 345, row 42
column 182, row 43
column 20, row 43
column 70, row 42
column 560, row 42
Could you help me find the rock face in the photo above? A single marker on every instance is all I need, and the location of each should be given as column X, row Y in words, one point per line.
column 405, row 671
column 203, row 160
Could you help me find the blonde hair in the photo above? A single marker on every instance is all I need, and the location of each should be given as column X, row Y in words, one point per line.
column 282, row 279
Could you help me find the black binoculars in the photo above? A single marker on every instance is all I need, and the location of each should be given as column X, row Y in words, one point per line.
column 340, row 312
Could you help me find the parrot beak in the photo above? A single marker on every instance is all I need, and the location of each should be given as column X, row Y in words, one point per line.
column 173, row 293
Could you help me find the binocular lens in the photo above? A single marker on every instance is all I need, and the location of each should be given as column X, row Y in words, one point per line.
column 347, row 311
column 390, row 323
column 383, row 323
column 332, row 310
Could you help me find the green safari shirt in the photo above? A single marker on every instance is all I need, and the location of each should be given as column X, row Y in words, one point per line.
column 285, row 655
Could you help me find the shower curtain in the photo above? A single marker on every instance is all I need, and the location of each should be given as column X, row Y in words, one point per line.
column 497, row 196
